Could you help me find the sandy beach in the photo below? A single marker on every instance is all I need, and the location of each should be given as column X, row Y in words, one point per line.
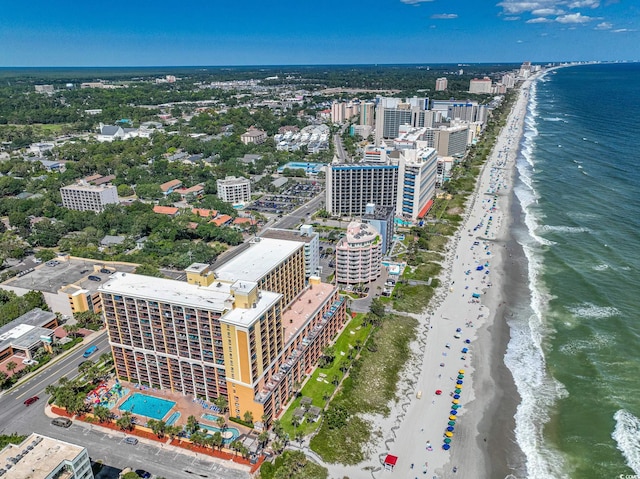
column 460, row 348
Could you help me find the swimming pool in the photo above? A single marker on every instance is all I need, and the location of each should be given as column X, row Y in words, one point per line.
column 173, row 418
column 148, row 406
column 210, row 417
column 229, row 435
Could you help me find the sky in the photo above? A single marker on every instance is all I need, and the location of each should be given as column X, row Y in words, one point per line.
column 286, row 32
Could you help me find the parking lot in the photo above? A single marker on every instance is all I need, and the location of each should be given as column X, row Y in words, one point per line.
column 285, row 202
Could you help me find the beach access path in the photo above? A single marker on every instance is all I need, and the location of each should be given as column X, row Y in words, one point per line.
column 414, row 430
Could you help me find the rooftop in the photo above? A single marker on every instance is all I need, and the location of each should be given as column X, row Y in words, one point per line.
column 262, row 256
column 26, row 329
column 303, row 308
column 288, row 235
column 87, row 187
column 45, row 455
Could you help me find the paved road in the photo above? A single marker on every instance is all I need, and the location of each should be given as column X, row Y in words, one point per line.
column 103, row 445
column 301, row 215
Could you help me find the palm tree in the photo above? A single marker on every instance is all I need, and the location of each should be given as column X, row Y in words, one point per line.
column 102, row 413
column 277, row 428
column 222, row 403
column 248, row 417
column 277, row 446
column 158, row 427
column 263, row 438
column 198, row 438
column 299, row 437
column 221, row 422
column 126, row 421
column 11, row 367
column 106, row 358
column 217, row 440
column 192, row 425
column 173, row 431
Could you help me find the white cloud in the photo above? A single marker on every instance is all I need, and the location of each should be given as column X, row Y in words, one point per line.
column 603, row 26
column 623, row 30
column 538, row 20
column 511, row 19
column 543, row 12
column 519, row 41
column 573, row 18
column 444, row 16
column 415, row 2
column 511, row 7
column 585, row 3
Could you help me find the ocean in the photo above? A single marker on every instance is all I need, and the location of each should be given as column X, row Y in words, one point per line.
column 575, row 340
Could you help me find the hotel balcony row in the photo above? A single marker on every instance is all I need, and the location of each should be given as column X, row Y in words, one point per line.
column 297, row 353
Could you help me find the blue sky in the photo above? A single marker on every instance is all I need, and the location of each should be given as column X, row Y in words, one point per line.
column 259, row 32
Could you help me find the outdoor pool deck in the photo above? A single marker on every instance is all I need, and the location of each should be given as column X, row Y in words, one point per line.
column 229, row 435
column 146, row 405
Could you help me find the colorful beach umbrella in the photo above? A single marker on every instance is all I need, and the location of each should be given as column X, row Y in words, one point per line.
column 460, row 376
column 452, row 417
column 447, row 440
column 461, row 371
column 456, row 406
column 446, row 447
column 448, row 434
column 456, row 396
column 457, row 390
column 455, row 401
column 451, row 423
column 450, row 429
column 453, row 412
column 438, row 392
column 459, row 381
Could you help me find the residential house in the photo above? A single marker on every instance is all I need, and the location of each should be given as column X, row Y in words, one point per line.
column 166, row 210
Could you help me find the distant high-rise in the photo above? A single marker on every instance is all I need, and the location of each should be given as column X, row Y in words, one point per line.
column 391, row 113
column 367, row 113
column 416, row 182
column 441, row 84
column 480, row 85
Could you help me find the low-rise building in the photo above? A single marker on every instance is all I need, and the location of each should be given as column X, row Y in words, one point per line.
column 42, row 457
column 25, row 334
column 85, row 197
column 253, row 136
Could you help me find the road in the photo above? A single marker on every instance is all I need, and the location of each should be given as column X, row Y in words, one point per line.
column 103, row 445
column 302, row 214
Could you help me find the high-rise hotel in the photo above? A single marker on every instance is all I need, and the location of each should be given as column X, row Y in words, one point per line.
column 248, row 330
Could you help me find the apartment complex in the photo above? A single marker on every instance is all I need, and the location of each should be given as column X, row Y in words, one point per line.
column 253, row 136
column 349, row 187
column 383, row 220
column 234, row 190
column 311, row 241
column 441, row 84
column 42, row 457
column 248, row 330
column 416, row 182
column 391, row 113
column 86, row 197
column 367, row 114
column 359, row 254
column 480, row 85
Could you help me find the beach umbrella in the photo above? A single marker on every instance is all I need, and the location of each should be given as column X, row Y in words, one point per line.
column 456, row 406
column 450, row 429
column 465, row 350
column 451, row 423
column 447, row 440
column 459, row 381
column 446, row 447
column 453, row 412
column 452, row 417
column 456, row 396
column 458, row 330
column 438, row 392
column 448, row 434
column 455, row 401
column 468, row 341
column 461, row 371
column 460, row 376
column 457, row 390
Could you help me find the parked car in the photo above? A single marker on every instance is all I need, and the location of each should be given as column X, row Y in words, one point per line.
column 31, row 400
column 106, row 271
column 131, row 440
column 61, row 422
column 143, row 474
column 95, row 278
column 90, row 351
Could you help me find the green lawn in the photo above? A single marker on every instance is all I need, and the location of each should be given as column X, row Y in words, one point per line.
column 413, row 299
column 316, row 389
column 368, row 389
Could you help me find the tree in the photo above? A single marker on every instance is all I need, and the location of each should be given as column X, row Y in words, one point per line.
column 192, row 425
column 217, row 440
column 45, row 255
column 377, row 308
column 125, row 422
column 221, row 422
column 157, row 427
column 336, row 416
column 277, row 428
column 102, row 413
column 263, row 438
column 125, row 190
column 299, row 436
column 248, row 417
column 11, row 367
column 222, row 403
column 71, row 329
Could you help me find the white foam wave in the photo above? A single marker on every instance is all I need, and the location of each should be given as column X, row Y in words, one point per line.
column 627, row 435
column 525, row 356
column 594, row 343
column 563, row 229
column 593, row 311
column 556, row 119
column 601, row 267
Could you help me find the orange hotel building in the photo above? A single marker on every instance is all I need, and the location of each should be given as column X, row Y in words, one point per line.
column 247, row 331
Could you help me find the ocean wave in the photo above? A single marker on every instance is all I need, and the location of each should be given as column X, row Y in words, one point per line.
column 555, row 119
column 593, row 311
column 627, row 435
column 600, row 267
column 563, row 229
column 594, row 343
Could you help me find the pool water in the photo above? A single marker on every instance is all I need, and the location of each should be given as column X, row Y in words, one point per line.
column 210, row 417
column 148, row 406
column 173, row 418
column 229, row 435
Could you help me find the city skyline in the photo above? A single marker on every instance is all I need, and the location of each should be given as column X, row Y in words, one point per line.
column 386, row 32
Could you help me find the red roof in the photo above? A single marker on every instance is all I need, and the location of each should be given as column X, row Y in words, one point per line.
column 241, row 221
column 220, row 220
column 165, row 210
column 391, row 460
column 204, row 213
column 170, row 184
column 426, row 209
